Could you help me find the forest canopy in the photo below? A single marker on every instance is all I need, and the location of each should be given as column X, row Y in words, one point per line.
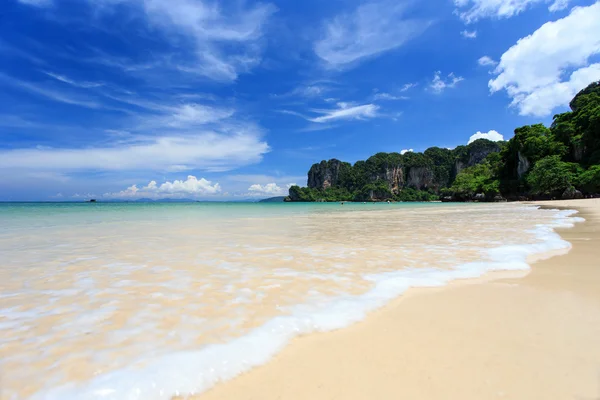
column 560, row 161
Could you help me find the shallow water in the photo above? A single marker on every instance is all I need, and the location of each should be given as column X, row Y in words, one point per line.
column 153, row 300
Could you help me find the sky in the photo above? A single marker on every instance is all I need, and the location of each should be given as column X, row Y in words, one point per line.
column 236, row 99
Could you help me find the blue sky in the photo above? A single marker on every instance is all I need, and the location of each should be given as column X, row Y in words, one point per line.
column 237, row 99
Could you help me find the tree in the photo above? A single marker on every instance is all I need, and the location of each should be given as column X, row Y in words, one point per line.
column 479, row 178
column 589, row 181
column 551, row 176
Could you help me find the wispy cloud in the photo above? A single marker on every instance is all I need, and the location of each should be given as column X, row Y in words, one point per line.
column 189, row 115
column 439, row 84
column 344, row 111
column 408, row 86
column 52, row 94
column 64, row 79
column 202, row 37
column 310, row 90
column 37, row 3
column 469, row 34
column 371, row 29
column 225, row 43
column 210, row 151
column 388, row 96
column 473, row 10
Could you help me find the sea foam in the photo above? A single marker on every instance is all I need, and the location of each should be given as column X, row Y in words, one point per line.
column 192, row 372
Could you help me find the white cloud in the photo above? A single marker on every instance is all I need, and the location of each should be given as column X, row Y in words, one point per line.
column 474, row 10
column 469, row 34
column 225, row 42
column 546, row 69
column 191, row 114
column 558, row 5
column 311, row 90
column 84, row 196
column 51, row 94
column 64, row 79
column 212, row 151
column 271, row 189
column 407, row 86
column 486, row 61
column 37, row 3
column 491, row 135
column 371, row 29
column 438, row 84
column 192, row 187
column 314, row 90
column 344, row 111
column 388, row 96
column 403, row 152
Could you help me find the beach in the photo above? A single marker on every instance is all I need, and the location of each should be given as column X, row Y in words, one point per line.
column 530, row 337
column 251, row 301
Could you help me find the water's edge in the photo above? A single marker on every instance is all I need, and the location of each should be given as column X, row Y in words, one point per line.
column 193, row 372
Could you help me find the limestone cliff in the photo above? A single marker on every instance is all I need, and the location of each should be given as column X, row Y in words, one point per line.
column 325, row 174
column 421, row 178
column 392, row 175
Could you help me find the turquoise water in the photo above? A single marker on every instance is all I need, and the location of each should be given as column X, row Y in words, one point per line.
column 39, row 214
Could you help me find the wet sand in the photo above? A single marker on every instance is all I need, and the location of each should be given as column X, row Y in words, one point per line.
column 531, row 337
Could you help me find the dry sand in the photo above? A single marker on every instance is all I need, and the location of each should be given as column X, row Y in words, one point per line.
column 533, row 337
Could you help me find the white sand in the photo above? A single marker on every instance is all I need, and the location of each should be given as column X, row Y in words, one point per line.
column 533, row 337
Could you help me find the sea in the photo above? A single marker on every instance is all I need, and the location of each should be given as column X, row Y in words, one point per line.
column 155, row 300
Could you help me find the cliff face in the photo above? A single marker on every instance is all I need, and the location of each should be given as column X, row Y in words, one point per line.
column 325, row 174
column 473, row 154
column 478, row 154
column 389, row 175
column 393, row 175
column 523, row 165
column 421, row 178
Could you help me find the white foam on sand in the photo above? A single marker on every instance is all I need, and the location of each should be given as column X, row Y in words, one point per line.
column 192, row 372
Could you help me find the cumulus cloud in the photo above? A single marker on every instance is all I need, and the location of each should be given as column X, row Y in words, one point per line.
column 474, row 10
column 546, row 69
column 491, row 135
column 344, row 111
column 469, row 34
column 486, row 61
column 192, row 187
column 371, row 29
column 271, row 189
column 439, row 84
column 212, row 151
column 403, row 152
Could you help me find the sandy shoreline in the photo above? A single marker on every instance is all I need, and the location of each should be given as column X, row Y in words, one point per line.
column 532, row 337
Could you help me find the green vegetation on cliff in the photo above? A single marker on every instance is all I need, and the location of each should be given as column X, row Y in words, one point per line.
column 538, row 162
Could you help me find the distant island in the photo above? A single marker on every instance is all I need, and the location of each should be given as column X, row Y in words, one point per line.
column 277, row 199
column 561, row 162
